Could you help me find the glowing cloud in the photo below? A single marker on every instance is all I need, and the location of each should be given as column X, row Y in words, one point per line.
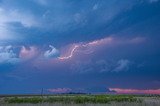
column 27, row 53
column 71, row 53
column 89, row 44
column 135, row 91
column 59, row 90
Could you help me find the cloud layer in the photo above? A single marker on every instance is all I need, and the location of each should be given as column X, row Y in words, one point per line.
column 135, row 91
column 51, row 53
column 7, row 55
column 83, row 44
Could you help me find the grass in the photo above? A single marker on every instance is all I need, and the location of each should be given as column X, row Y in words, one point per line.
column 73, row 99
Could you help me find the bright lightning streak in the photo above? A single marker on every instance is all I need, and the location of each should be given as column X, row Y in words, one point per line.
column 71, row 53
column 93, row 43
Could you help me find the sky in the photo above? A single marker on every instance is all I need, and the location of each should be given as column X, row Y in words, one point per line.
column 88, row 46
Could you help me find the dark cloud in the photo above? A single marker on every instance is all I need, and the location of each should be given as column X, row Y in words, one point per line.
column 61, row 45
column 100, row 66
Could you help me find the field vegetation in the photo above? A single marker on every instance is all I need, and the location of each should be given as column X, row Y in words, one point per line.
column 68, row 99
column 81, row 100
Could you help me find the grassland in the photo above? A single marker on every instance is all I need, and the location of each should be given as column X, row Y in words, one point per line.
column 81, row 100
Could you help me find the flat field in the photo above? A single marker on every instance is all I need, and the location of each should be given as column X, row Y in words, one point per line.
column 79, row 100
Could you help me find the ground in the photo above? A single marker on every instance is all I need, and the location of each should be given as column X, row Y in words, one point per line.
column 80, row 100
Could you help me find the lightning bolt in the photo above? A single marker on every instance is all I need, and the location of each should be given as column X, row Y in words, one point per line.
column 93, row 43
column 71, row 53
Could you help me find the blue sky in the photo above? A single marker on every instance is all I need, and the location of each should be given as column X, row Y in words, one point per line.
column 79, row 46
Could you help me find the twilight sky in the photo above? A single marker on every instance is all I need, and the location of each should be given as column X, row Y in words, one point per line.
column 96, row 46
